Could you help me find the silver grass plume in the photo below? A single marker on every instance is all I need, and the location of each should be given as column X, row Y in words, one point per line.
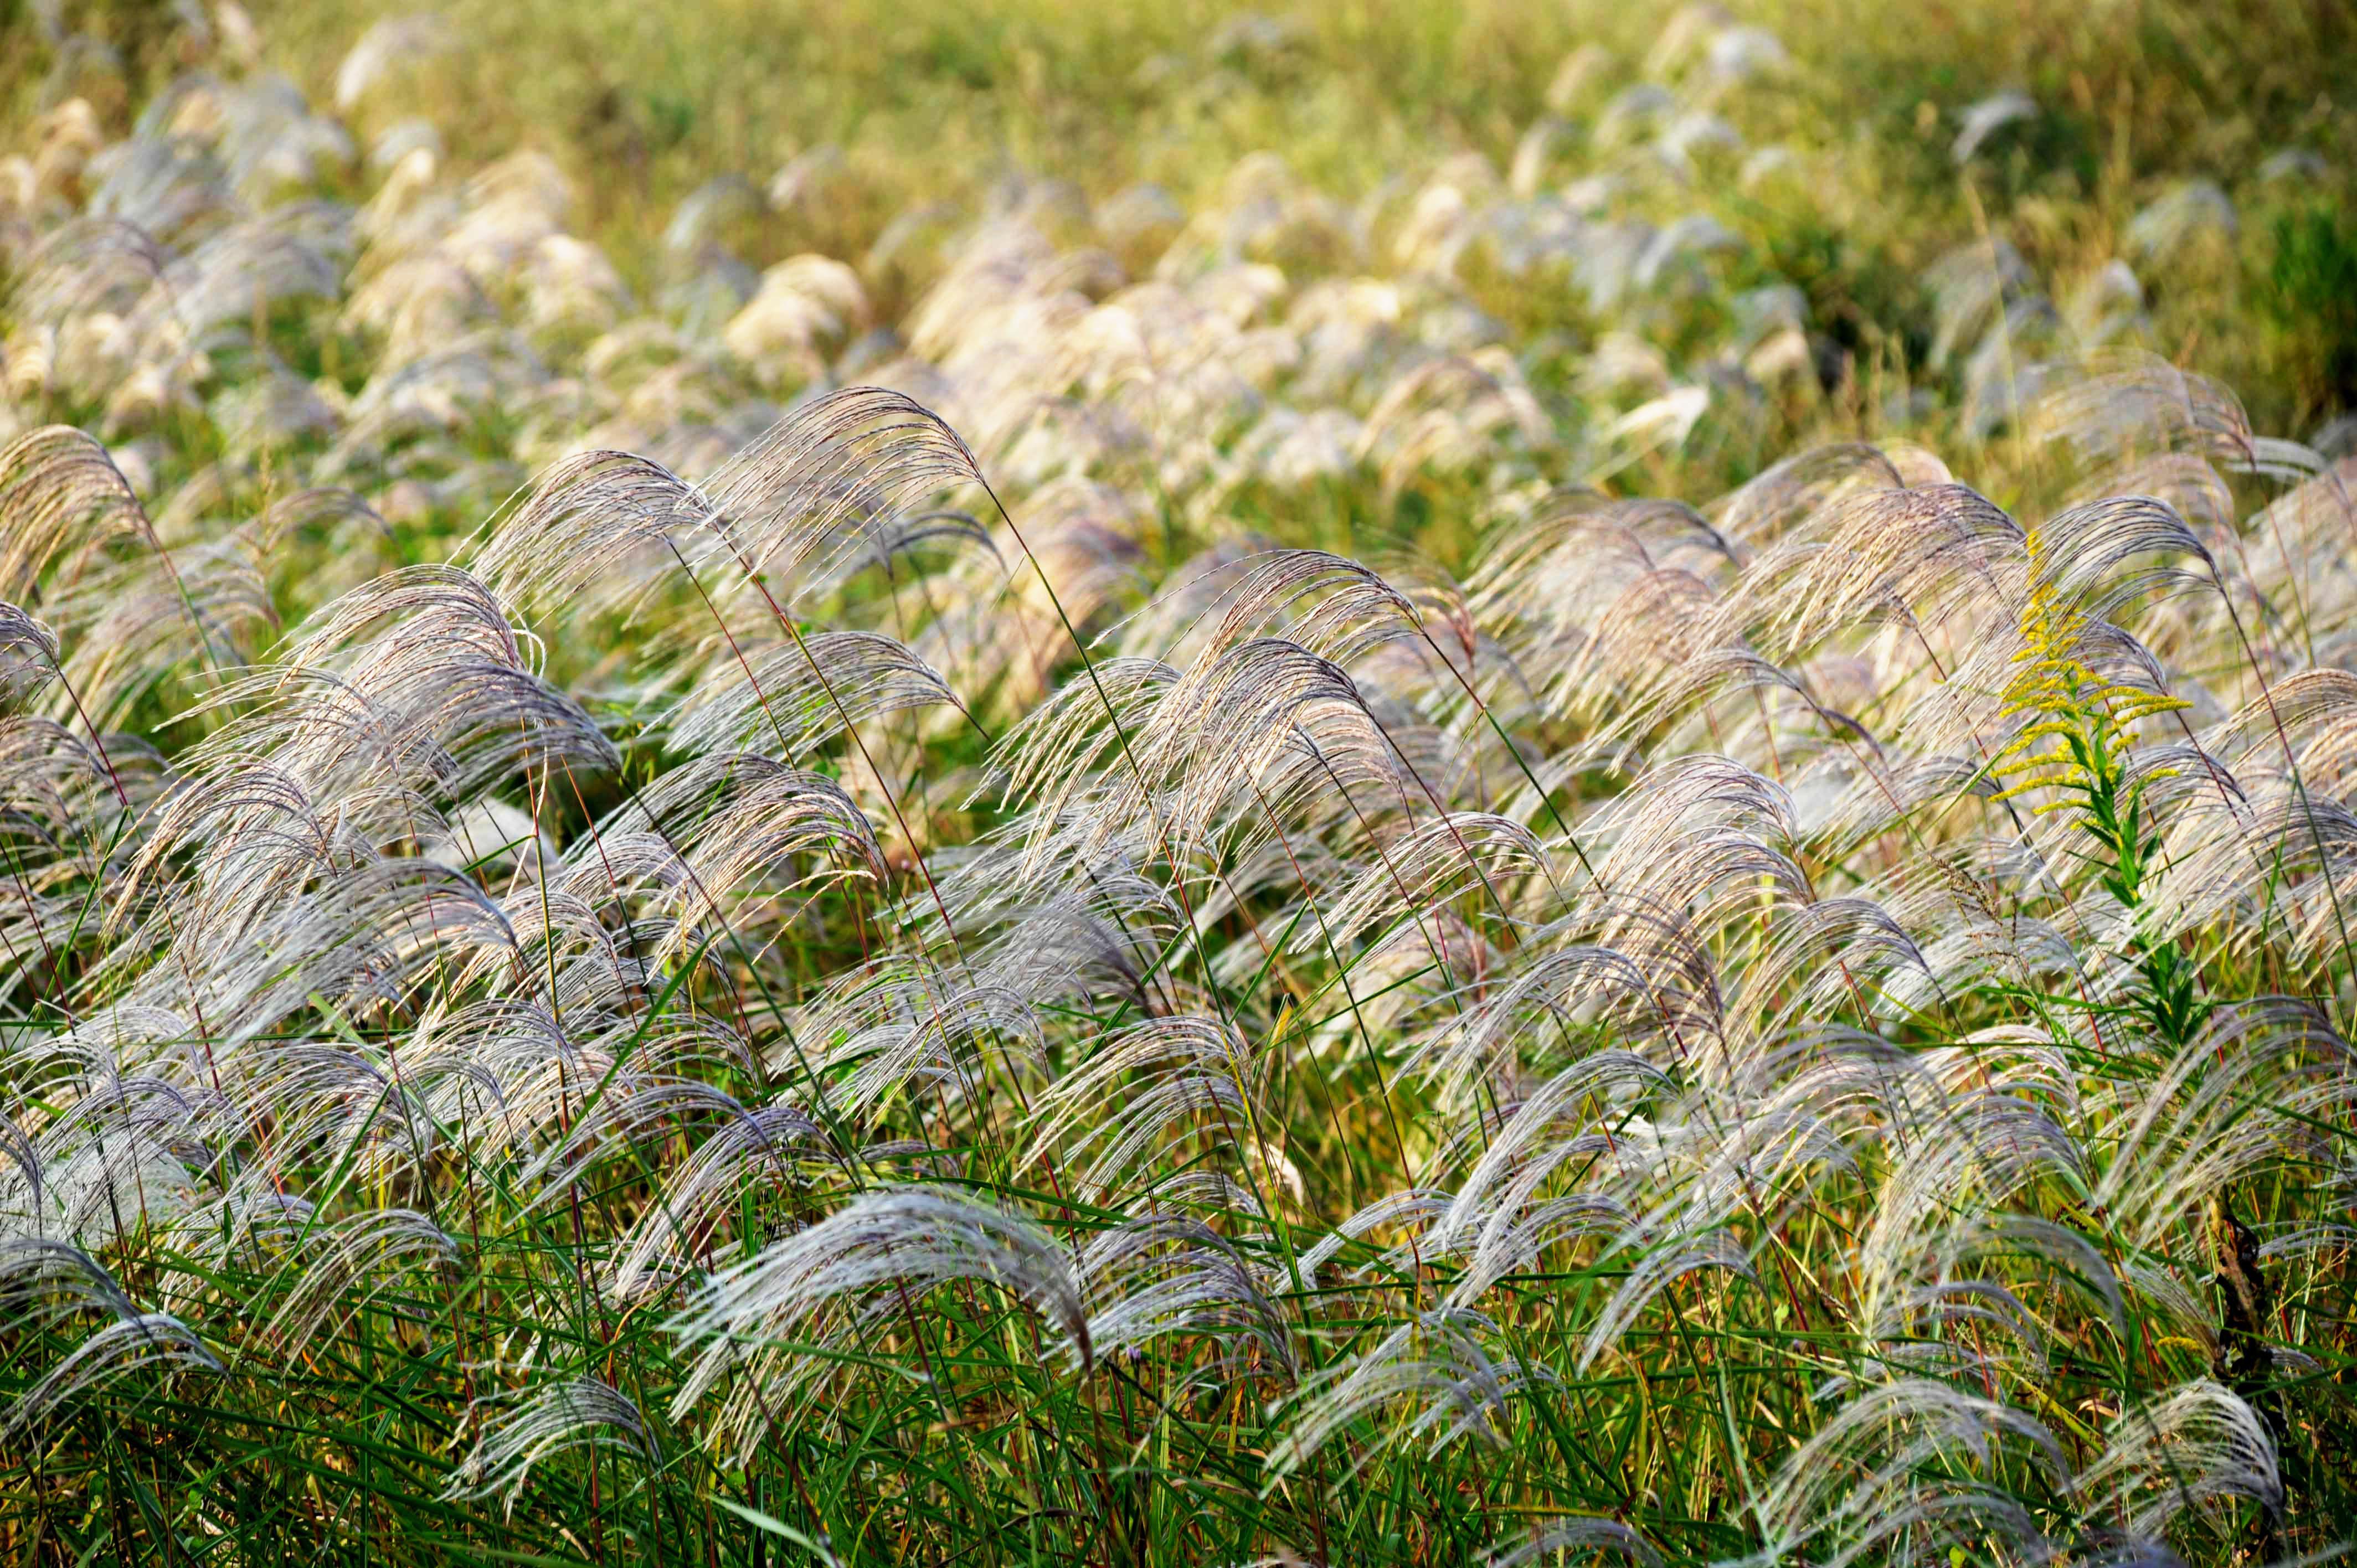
column 558, row 1418
column 852, row 1274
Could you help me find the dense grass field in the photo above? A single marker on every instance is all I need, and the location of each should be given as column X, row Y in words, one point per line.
column 1529, row 783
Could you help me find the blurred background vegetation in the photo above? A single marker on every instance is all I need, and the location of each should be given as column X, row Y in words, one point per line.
column 912, row 104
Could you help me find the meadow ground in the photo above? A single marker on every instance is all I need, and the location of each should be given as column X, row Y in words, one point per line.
column 1027, row 783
